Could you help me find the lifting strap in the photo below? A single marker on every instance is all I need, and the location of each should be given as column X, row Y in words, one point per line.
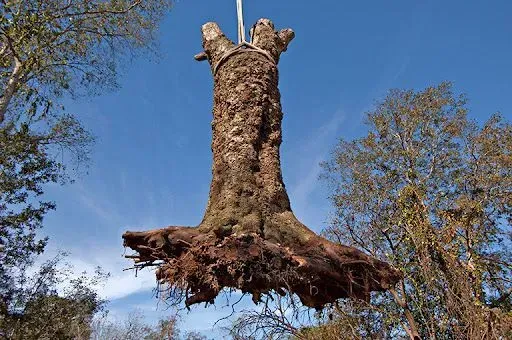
column 241, row 27
column 243, row 45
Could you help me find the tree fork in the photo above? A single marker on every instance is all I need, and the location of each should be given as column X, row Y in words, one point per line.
column 249, row 238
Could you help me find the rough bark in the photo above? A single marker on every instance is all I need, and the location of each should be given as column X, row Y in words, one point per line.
column 249, row 238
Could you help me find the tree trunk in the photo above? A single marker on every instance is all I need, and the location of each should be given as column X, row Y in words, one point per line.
column 10, row 88
column 412, row 330
column 249, row 238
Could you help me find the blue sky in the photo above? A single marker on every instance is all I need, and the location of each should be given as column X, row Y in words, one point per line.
column 151, row 166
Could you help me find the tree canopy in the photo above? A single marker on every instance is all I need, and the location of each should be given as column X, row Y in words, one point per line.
column 429, row 191
column 50, row 51
column 51, row 48
column 50, row 304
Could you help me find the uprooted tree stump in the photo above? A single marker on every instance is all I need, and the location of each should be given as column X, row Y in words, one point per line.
column 249, row 238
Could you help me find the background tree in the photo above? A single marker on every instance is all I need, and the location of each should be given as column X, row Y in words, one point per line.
column 50, row 305
column 429, row 191
column 283, row 317
column 136, row 328
column 26, row 165
column 50, row 50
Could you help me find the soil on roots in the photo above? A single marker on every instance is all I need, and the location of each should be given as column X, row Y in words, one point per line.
column 200, row 266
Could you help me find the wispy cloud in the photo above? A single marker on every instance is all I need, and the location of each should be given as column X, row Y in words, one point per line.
column 308, row 170
column 121, row 283
column 100, row 207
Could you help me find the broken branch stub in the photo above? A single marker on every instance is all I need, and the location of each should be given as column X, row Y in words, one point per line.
column 249, row 238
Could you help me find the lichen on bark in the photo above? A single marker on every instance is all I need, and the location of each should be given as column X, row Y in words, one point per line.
column 249, row 238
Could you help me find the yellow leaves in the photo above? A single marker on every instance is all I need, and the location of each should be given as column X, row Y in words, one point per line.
column 446, row 227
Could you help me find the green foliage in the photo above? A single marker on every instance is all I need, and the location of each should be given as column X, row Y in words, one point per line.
column 48, row 49
column 51, row 48
column 429, row 191
column 49, row 305
column 26, row 166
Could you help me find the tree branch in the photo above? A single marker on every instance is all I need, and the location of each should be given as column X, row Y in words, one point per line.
column 12, row 83
column 85, row 13
column 402, row 302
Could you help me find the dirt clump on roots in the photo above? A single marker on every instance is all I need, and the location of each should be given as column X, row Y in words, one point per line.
column 249, row 238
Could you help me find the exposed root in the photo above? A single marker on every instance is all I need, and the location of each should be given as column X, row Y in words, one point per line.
column 201, row 265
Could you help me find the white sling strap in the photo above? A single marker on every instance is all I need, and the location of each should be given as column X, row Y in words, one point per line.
column 241, row 27
column 243, row 45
